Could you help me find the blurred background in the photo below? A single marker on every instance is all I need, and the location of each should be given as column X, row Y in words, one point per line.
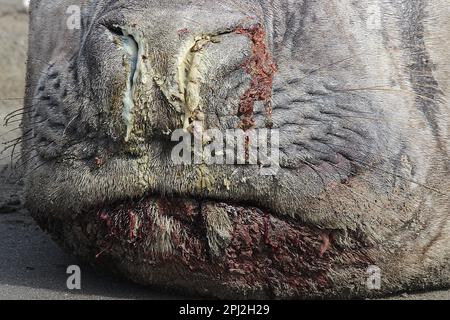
column 13, row 42
column 31, row 265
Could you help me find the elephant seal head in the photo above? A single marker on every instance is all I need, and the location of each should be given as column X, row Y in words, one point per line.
column 349, row 97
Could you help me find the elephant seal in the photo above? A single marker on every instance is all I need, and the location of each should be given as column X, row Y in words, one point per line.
column 357, row 91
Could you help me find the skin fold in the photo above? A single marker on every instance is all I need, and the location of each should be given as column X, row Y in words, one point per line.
column 357, row 90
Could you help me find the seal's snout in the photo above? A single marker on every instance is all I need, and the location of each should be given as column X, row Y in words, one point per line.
column 199, row 71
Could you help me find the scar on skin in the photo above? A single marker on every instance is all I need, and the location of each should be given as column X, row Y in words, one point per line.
column 262, row 69
column 189, row 80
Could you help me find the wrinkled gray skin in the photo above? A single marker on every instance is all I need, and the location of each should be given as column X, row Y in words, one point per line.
column 362, row 112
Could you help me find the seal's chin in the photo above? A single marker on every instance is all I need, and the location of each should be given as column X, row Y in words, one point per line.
column 214, row 240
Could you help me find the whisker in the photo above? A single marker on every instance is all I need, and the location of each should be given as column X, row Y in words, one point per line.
column 14, row 112
column 11, row 99
column 360, row 195
column 9, row 118
column 10, row 131
column 385, row 89
column 403, row 178
column 369, row 166
column 11, row 144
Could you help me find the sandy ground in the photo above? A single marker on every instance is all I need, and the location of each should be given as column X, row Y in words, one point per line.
column 31, row 265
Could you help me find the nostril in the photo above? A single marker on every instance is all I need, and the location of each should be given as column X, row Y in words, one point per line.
column 123, row 39
column 115, row 30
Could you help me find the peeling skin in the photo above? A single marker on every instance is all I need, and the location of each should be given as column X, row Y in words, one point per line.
column 131, row 43
column 205, row 181
column 189, row 80
column 185, row 98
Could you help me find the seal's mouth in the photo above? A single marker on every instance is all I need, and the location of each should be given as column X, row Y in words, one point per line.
column 217, row 240
column 166, row 221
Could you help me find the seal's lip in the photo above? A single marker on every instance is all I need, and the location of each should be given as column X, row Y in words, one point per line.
column 184, row 241
column 166, row 220
column 161, row 218
column 187, row 212
column 174, row 205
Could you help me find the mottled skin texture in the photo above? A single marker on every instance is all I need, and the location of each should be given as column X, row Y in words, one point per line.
column 364, row 123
